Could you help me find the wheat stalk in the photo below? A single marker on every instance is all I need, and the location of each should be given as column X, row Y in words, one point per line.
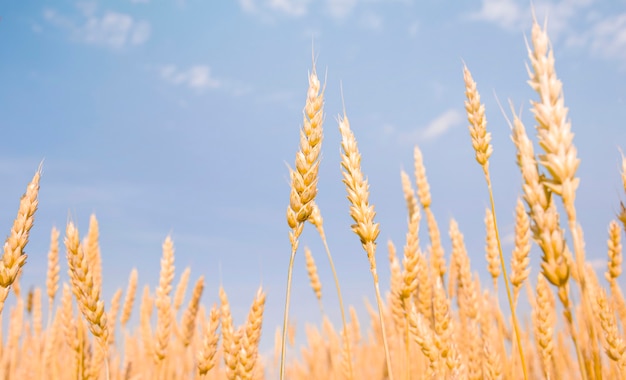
column 361, row 212
column 303, row 183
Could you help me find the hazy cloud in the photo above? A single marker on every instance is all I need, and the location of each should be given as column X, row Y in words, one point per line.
column 265, row 8
column 441, row 124
column 436, row 128
column 606, row 38
column 197, row 77
column 506, row 14
column 113, row 29
column 293, row 8
column 517, row 15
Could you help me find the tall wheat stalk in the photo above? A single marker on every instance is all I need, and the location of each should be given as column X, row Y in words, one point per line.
column 362, row 213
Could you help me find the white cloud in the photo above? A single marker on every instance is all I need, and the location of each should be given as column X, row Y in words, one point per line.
column 340, row 8
column 196, row 77
column 113, row 29
column 504, row 13
column 293, row 8
column 441, row 124
column 436, row 128
column 606, row 38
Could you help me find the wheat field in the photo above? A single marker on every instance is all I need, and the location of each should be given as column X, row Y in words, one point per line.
column 437, row 321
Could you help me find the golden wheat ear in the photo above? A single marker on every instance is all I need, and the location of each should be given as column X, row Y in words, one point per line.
column 304, row 180
column 362, row 213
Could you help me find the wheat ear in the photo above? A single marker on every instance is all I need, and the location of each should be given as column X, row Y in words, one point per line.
column 481, row 141
column 520, row 259
column 362, row 213
column 52, row 276
column 85, row 290
column 163, row 302
column 129, row 298
column 190, row 314
column 303, row 184
column 206, row 354
column 314, row 278
column 14, row 258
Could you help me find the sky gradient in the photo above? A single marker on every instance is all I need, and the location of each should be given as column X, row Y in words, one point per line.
column 180, row 117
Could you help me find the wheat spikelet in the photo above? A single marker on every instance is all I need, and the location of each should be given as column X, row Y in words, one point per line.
column 248, row 351
column 481, row 139
column 304, row 178
column 412, row 255
column 190, row 314
column 145, row 313
column 520, row 258
column 14, row 257
column 358, row 192
column 423, row 191
column 613, row 343
column 361, row 211
column 492, row 255
column 468, row 296
column 615, row 252
column 92, row 250
column 112, row 314
column 424, row 337
column 553, row 128
column 163, row 302
column 206, row 354
column 52, row 277
column 314, row 278
column 85, row 290
column 396, row 285
column 129, row 298
column 409, row 194
column 441, row 320
column 181, row 288
column 304, row 184
column 230, row 337
column 544, row 320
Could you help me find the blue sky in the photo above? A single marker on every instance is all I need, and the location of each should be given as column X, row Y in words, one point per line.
column 179, row 117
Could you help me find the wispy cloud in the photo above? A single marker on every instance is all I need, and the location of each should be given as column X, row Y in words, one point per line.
column 294, row 8
column 516, row 15
column 606, row 38
column 112, row 29
column 436, row 128
column 506, row 14
column 197, row 77
column 264, row 8
column 441, row 124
